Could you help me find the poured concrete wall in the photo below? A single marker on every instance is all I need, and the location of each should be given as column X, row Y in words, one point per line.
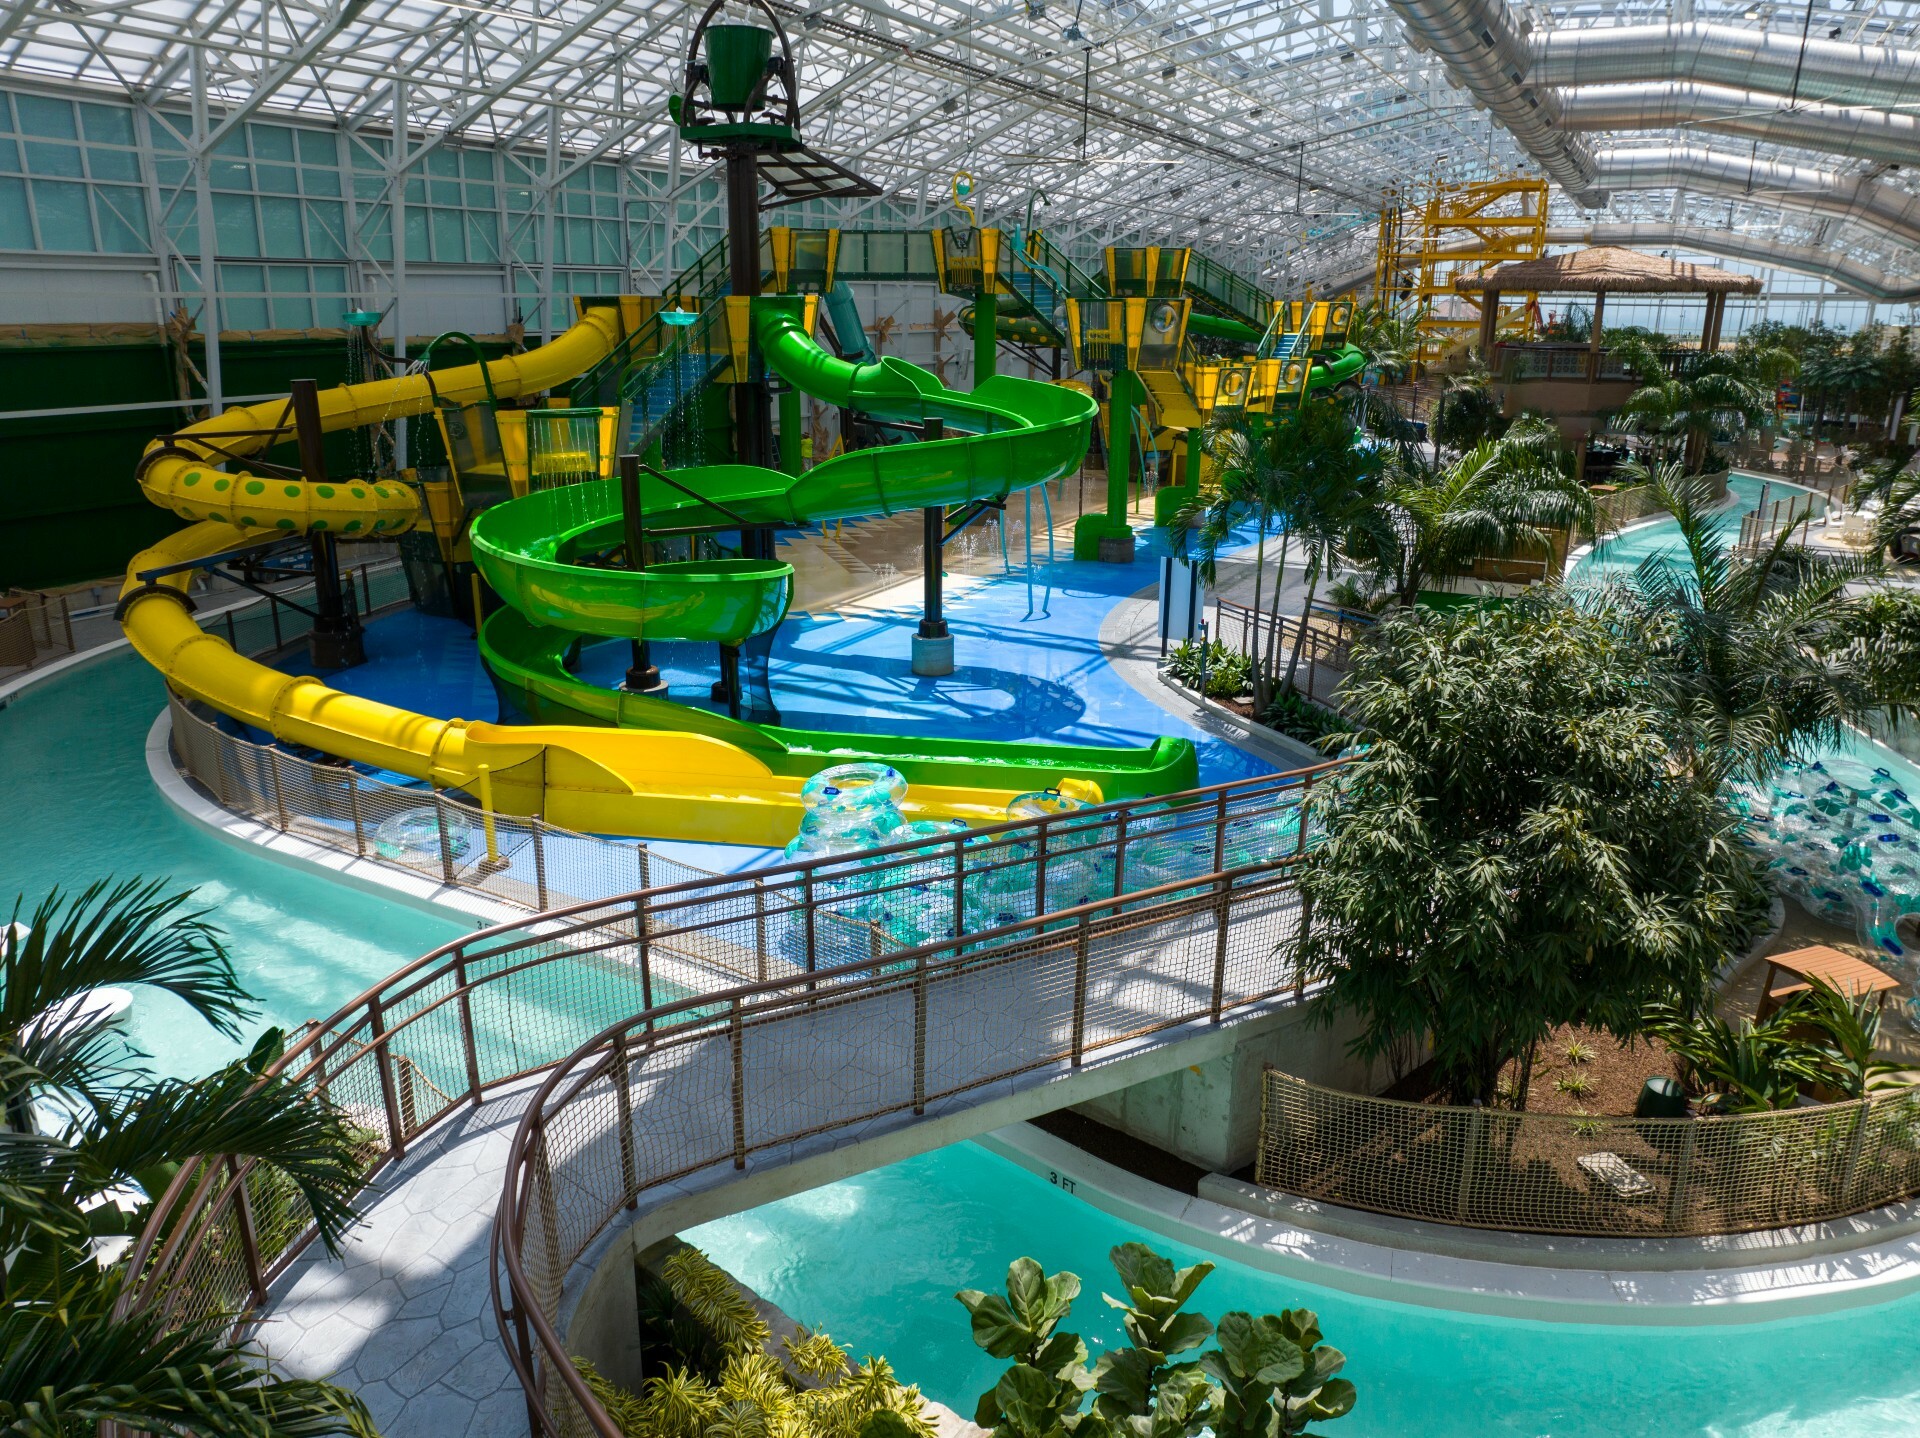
column 1209, row 1112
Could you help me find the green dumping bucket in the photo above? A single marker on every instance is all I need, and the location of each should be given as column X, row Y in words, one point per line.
column 737, row 58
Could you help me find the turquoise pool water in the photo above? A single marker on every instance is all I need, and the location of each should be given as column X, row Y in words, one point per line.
column 875, row 1261
column 81, row 806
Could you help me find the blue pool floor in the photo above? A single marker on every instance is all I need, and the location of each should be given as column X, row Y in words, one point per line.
column 1029, row 668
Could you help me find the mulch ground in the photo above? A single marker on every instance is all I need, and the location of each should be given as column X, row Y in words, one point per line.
column 1575, row 1071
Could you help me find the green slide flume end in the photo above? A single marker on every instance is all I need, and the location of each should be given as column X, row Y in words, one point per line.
column 530, row 664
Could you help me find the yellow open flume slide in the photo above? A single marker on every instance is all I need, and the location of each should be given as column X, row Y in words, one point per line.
column 646, row 782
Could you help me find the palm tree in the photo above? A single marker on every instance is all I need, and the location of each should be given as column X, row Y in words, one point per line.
column 1503, row 496
column 1338, row 487
column 1389, row 339
column 72, row 1354
column 1681, row 414
column 1766, row 657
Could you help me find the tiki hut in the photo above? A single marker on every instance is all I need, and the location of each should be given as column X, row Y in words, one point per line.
column 1601, row 271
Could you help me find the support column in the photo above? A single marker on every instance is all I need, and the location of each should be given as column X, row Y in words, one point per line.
column 986, row 337
column 336, row 641
column 643, row 676
column 1489, row 324
column 791, row 424
column 1116, row 539
column 933, row 645
column 752, row 415
column 203, row 223
column 1593, row 341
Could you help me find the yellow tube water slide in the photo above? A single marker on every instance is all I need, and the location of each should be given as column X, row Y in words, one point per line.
column 660, row 784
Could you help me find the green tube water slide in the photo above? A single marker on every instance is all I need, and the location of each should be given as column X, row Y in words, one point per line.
column 541, row 554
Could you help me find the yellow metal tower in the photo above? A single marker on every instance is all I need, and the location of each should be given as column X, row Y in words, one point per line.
column 1461, row 229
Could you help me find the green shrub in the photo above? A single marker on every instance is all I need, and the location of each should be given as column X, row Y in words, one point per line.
column 1228, row 673
column 1298, row 717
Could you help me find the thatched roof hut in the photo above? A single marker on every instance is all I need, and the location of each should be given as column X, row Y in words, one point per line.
column 1608, row 269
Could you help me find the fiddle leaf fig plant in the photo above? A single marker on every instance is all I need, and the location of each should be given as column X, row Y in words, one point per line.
column 1268, row 1377
column 1049, row 1377
column 1275, row 1375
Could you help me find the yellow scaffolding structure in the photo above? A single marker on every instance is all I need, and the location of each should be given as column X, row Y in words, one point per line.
column 1458, row 230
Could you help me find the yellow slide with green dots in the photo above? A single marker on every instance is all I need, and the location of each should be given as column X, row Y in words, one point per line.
column 652, row 782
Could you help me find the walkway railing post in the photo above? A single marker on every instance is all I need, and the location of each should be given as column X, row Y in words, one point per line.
column 1040, row 870
column 1223, row 902
column 383, row 1062
column 809, row 922
column 539, row 862
column 1220, row 831
column 920, row 1033
column 466, row 1030
column 623, row 1101
column 959, row 890
column 446, row 839
column 1120, row 854
column 249, row 1233
column 1682, row 1171
column 353, row 808
column 1082, row 944
column 737, row 1038
column 760, row 929
column 279, row 796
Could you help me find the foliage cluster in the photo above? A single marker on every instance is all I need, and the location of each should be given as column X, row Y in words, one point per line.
column 1298, row 717
column 1513, row 850
column 90, row 1137
column 1227, row 673
column 1822, row 1039
column 817, row 1392
column 1267, row 1377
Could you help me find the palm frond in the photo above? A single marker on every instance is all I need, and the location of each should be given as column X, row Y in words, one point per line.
column 128, row 933
column 69, row 1365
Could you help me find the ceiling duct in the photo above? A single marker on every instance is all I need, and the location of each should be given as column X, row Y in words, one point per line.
column 1830, row 72
column 1884, row 209
column 1485, row 52
column 1857, row 131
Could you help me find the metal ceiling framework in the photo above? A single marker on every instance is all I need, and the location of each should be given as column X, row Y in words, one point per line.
column 1263, row 130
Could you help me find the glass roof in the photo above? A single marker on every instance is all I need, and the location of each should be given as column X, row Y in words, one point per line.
column 1263, row 128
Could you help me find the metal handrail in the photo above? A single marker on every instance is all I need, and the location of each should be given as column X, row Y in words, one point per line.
column 525, row 1326
column 448, row 980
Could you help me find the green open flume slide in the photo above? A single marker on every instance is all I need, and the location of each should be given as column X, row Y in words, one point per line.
column 1009, row 434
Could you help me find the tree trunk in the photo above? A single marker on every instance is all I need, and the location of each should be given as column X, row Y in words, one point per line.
column 1265, row 664
column 1259, row 572
column 1306, row 611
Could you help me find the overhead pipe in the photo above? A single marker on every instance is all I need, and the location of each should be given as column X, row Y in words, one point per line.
column 1779, row 62
column 1856, row 199
column 1858, row 131
column 1862, row 279
column 1485, row 52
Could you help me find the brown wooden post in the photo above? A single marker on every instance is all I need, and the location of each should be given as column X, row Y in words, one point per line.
column 1593, row 340
column 249, row 1234
column 1489, row 324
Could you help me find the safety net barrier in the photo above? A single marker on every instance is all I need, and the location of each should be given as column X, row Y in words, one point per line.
column 1588, row 1173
